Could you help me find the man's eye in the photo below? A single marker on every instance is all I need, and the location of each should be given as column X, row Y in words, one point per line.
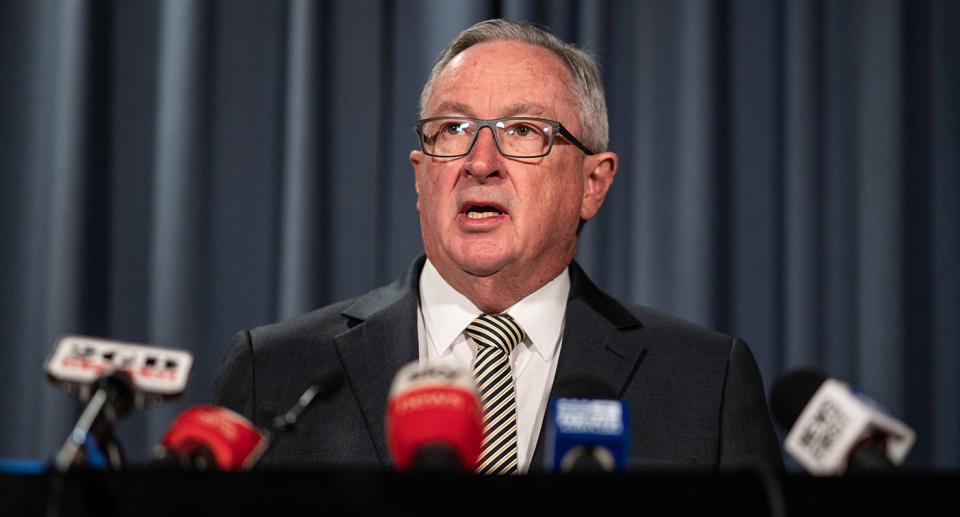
column 523, row 130
column 455, row 128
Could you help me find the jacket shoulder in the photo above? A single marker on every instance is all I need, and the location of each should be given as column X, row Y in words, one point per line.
column 676, row 331
column 320, row 324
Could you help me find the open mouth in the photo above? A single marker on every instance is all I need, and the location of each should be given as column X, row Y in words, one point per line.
column 482, row 211
column 476, row 209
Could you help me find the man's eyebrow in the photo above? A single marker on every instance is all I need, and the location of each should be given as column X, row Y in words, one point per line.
column 450, row 108
column 524, row 109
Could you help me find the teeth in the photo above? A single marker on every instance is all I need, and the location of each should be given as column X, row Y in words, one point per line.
column 482, row 215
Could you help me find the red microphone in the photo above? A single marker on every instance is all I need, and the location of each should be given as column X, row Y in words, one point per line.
column 434, row 419
column 204, row 437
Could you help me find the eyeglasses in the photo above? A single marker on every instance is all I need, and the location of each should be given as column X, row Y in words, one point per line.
column 516, row 137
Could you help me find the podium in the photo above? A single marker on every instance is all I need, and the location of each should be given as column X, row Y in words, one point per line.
column 143, row 492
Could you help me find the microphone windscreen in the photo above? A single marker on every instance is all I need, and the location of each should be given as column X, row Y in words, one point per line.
column 432, row 411
column 324, row 384
column 791, row 393
column 327, row 382
column 229, row 439
column 120, row 391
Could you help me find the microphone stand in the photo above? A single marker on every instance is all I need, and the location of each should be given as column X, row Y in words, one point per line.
column 112, row 399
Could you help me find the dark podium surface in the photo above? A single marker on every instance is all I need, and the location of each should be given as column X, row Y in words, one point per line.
column 172, row 493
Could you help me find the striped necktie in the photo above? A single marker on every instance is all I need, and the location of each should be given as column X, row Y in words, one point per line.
column 496, row 336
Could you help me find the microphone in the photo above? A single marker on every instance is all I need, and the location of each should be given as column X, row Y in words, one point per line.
column 434, row 419
column 327, row 382
column 112, row 378
column 205, row 437
column 156, row 373
column 588, row 430
column 834, row 429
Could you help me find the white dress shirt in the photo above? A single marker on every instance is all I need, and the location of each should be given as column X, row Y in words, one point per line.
column 443, row 315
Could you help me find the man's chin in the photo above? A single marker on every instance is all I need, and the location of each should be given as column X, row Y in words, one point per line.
column 481, row 264
column 480, row 268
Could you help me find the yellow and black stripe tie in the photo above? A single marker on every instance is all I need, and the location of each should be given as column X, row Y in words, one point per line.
column 496, row 336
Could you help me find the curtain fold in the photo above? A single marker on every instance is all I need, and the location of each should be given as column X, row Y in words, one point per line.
column 943, row 276
column 178, row 283
column 65, row 257
column 181, row 173
column 173, row 172
column 880, row 210
column 803, row 154
column 302, row 234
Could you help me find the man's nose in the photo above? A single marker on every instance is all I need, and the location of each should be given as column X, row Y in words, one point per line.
column 484, row 159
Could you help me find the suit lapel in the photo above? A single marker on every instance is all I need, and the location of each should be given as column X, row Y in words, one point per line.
column 599, row 341
column 383, row 341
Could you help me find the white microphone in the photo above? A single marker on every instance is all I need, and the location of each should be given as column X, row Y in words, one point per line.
column 112, row 378
column 835, row 429
column 77, row 362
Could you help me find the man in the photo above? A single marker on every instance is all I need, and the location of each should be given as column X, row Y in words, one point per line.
column 512, row 162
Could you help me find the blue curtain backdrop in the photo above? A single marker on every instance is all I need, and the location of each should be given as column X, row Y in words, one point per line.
column 174, row 171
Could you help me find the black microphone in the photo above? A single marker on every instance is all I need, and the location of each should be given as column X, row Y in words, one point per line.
column 205, row 437
column 325, row 384
column 834, row 429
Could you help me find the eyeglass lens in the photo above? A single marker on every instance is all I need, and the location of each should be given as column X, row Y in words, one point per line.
column 517, row 137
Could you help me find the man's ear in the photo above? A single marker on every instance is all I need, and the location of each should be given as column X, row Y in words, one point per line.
column 598, row 172
column 416, row 159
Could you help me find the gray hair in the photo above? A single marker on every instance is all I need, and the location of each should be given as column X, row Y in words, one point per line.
column 587, row 88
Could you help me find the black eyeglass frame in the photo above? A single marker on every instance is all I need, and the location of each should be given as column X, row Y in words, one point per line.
column 491, row 123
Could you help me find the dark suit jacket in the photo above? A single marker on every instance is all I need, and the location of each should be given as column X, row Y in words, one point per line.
column 695, row 396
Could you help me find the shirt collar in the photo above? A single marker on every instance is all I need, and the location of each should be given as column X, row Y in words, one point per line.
column 447, row 312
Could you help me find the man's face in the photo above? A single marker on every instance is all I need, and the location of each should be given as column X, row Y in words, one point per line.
column 483, row 213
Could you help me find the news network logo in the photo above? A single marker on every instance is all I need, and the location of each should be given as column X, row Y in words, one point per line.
column 82, row 360
column 821, row 433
